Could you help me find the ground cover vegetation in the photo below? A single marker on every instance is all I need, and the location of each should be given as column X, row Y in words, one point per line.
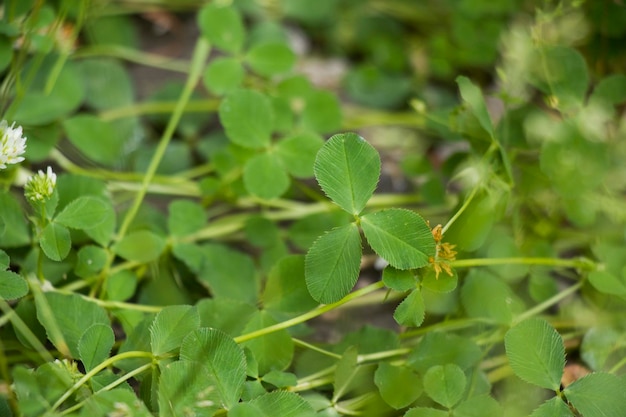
column 328, row 208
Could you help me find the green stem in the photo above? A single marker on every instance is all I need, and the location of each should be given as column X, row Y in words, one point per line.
column 448, row 325
column 382, row 355
column 158, row 107
column 200, row 55
column 23, row 328
column 112, row 385
column 48, row 318
column 358, row 118
column 547, row 303
column 108, row 362
column 5, row 374
column 291, row 210
column 617, row 366
column 311, row 314
column 460, row 211
column 579, row 263
column 348, row 407
column 312, row 347
column 135, row 56
column 123, row 306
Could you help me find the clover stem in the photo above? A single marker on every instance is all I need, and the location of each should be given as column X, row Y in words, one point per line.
column 103, row 365
column 580, row 263
column 309, row 315
column 460, row 211
column 199, row 58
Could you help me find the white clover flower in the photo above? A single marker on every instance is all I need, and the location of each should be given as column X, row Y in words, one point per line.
column 12, row 144
column 40, row 186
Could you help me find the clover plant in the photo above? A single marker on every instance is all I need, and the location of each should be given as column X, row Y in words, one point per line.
column 437, row 230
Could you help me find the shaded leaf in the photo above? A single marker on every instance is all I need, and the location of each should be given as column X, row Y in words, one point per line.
column 485, row 296
column 608, row 283
column 610, row 90
column 107, row 83
column 229, row 273
column 471, row 228
column 223, row 75
column 472, row 95
column 72, row 314
column 306, row 230
column 280, row 379
column 41, row 107
column 270, row 58
column 479, row 406
column 297, row 153
column 95, row 138
column 106, row 403
column 345, row 373
column 438, row 348
column 227, row 315
column 322, row 112
column 185, row 217
column 187, row 388
column 91, row 259
column 597, row 346
column 261, row 231
column 272, row 404
column 442, row 284
column 285, row 289
column 554, row 407
column 11, row 214
column 562, row 72
column 426, row 412
column 398, row 279
column 273, row 351
column 5, row 261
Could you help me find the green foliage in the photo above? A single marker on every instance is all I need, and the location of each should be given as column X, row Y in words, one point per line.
column 347, row 168
column 325, row 208
column 332, row 264
column 597, row 394
column 399, row 386
column 253, row 107
column 12, row 285
column 536, row 353
column 221, row 358
column 445, row 384
column 402, row 237
column 95, row 345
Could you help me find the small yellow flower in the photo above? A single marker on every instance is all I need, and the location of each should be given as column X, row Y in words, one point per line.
column 40, row 186
column 444, row 253
column 12, row 144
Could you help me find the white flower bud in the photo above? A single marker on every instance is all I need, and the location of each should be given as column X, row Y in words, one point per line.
column 40, row 186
